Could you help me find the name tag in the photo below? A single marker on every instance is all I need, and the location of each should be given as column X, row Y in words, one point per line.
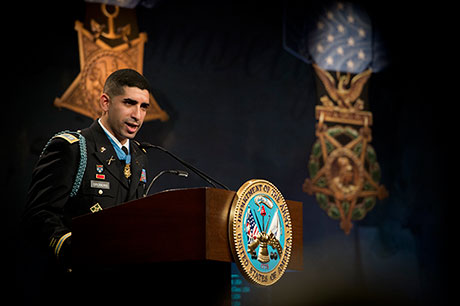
column 100, row 184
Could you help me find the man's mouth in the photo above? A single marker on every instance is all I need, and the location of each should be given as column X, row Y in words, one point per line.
column 132, row 127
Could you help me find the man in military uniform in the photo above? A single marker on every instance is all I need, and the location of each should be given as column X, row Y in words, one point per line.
column 92, row 169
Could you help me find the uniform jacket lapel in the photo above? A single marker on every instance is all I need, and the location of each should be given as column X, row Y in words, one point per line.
column 106, row 154
column 137, row 164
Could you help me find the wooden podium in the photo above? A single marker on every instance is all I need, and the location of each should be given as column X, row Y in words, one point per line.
column 180, row 236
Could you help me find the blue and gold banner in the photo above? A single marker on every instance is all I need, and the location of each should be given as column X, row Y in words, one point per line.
column 336, row 36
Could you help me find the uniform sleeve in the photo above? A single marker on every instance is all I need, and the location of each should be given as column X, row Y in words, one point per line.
column 50, row 188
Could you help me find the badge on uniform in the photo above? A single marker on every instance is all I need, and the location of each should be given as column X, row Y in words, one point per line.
column 143, row 176
column 95, row 208
column 100, row 184
column 99, row 168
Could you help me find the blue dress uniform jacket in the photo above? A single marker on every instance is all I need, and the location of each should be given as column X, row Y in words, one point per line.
column 50, row 208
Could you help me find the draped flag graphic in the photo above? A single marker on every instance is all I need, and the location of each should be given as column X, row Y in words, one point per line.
column 251, row 227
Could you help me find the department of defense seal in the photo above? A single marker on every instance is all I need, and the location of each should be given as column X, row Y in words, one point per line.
column 260, row 232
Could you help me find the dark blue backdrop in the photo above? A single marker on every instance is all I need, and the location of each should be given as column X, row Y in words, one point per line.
column 241, row 107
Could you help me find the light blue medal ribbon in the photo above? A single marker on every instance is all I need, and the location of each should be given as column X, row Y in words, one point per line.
column 120, row 153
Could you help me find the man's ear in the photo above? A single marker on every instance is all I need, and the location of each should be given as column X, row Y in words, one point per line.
column 104, row 102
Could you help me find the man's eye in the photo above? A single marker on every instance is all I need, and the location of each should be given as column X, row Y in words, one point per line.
column 145, row 105
column 129, row 102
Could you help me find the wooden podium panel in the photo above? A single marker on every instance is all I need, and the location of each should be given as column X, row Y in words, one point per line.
column 171, row 226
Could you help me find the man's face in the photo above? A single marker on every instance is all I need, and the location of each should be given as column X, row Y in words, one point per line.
column 124, row 114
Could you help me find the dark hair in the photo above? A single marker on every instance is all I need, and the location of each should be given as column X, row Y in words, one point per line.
column 124, row 77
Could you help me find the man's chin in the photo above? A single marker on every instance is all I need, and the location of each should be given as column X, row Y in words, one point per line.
column 130, row 135
column 125, row 135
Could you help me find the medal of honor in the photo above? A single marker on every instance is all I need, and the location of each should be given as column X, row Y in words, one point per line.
column 127, row 170
column 344, row 172
column 111, row 47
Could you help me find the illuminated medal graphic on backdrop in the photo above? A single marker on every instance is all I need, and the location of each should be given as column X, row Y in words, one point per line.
column 344, row 51
column 108, row 42
column 260, row 232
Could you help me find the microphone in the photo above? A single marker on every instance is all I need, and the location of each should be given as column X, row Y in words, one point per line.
column 200, row 173
column 176, row 172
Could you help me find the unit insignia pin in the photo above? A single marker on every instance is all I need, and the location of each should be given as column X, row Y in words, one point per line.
column 110, row 160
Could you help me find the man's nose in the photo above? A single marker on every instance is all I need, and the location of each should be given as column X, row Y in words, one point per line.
column 136, row 113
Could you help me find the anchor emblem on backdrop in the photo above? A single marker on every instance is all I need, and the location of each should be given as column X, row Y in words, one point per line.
column 98, row 29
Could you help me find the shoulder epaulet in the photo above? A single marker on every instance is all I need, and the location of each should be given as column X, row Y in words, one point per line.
column 71, row 138
column 67, row 136
column 139, row 145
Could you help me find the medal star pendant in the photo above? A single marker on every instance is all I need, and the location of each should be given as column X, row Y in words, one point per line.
column 127, row 170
